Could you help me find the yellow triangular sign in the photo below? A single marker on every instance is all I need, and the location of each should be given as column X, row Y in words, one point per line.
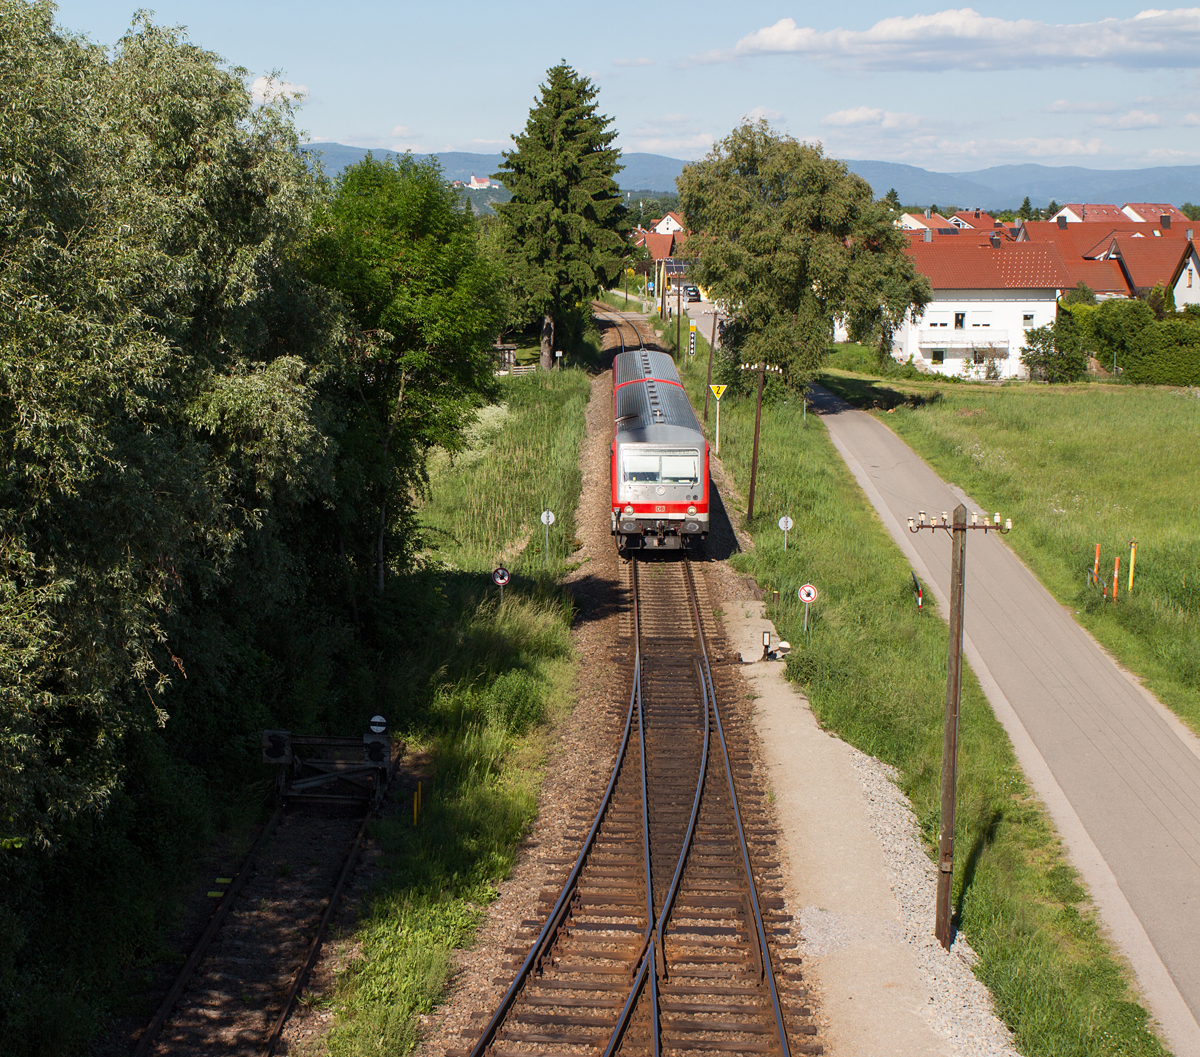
column 718, row 390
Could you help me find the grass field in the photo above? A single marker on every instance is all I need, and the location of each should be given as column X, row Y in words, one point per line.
column 1074, row 466
column 484, row 678
column 875, row 673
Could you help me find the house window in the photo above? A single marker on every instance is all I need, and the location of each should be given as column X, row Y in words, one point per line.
column 1027, row 321
column 977, row 355
column 1189, row 276
column 960, row 320
column 981, row 319
column 939, row 355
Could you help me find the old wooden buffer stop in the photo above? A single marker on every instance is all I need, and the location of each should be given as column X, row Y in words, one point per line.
column 350, row 772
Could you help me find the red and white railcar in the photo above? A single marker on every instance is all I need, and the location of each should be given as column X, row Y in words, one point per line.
column 660, row 485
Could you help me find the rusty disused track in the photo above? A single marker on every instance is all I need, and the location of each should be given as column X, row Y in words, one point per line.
column 237, row 988
column 667, row 933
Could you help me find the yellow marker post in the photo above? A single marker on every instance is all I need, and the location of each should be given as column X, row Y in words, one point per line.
column 1132, row 559
column 717, row 391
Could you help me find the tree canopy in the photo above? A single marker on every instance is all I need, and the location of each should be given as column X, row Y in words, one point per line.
column 788, row 239
column 563, row 228
column 395, row 243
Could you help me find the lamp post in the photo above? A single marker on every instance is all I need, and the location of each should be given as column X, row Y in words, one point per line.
column 763, row 370
column 958, row 578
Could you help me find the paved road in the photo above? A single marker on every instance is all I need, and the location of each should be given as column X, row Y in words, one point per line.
column 1119, row 773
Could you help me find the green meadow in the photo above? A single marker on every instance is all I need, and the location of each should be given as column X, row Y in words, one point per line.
column 1075, row 466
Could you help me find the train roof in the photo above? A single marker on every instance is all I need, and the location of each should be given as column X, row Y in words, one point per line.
column 650, row 403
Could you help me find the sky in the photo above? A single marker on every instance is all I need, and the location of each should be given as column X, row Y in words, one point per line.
column 1101, row 84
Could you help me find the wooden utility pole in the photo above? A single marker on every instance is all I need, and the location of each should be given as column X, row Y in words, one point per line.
column 763, row 369
column 712, row 342
column 957, row 526
column 958, row 562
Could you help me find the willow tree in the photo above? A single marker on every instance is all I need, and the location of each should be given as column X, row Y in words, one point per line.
column 563, row 227
column 788, row 240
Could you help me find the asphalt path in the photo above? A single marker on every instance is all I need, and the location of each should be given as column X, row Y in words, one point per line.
column 1119, row 773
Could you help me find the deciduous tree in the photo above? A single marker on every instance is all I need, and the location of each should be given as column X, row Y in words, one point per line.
column 788, row 239
column 397, row 245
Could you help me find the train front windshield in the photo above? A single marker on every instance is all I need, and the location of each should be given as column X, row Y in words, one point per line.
column 661, row 467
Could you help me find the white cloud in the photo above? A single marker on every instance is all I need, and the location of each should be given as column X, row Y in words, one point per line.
column 634, row 62
column 1191, row 119
column 965, row 39
column 764, row 113
column 403, row 130
column 1135, row 119
column 691, row 145
column 1066, row 106
column 268, row 89
column 872, row 116
column 1173, row 155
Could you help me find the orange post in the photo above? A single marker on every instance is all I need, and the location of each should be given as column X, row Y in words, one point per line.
column 1096, row 567
column 1116, row 573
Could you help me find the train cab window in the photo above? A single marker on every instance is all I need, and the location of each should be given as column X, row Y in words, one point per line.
column 641, row 469
column 680, row 468
column 665, row 467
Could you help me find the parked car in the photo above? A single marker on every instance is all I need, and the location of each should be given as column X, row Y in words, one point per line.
column 691, row 293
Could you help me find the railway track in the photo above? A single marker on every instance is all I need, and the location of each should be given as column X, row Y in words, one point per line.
column 238, row 986
column 666, row 934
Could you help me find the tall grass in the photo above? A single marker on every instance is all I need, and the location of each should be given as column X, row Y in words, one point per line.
column 874, row 670
column 479, row 680
column 1085, row 464
column 485, row 507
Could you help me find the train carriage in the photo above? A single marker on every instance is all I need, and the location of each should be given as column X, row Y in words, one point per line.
column 660, row 484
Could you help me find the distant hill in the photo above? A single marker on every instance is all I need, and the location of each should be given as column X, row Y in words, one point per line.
column 642, row 172
column 1004, row 186
column 1000, row 187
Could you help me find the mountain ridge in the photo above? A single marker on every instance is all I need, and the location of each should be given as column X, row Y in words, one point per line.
column 997, row 187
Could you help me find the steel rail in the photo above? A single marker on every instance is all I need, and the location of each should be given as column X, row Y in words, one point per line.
column 654, row 942
column 185, row 974
column 314, row 948
column 563, row 903
column 765, row 953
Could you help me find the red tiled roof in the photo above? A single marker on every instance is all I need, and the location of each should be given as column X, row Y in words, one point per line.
column 1080, row 240
column 954, row 264
column 977, row 218
column 1096, row 211
column 1151, row 211
column 1103, row 277
column 659, row 245
column 1152, row 261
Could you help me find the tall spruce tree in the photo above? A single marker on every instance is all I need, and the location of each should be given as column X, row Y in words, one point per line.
column 563, row 227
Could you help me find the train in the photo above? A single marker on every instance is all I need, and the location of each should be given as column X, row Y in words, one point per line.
column 660, row 480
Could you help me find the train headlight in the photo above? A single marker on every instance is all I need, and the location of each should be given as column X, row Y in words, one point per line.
column 629, row 508
column 692, row 511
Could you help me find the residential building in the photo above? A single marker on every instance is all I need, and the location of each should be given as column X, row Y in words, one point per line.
column 987, row 293
column 668, row 225
column 478, row 183
column 975, row 220
column 1153, row 212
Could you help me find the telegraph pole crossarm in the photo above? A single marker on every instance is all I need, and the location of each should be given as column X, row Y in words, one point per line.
column 763, row 370
column 957, row 528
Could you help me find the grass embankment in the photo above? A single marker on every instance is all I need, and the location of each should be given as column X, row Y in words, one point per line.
column 1074, row 466
column 874, row 671
column 483, row 677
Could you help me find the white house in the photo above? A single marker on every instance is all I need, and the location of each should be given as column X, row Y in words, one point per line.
column 987, row 293
column 668, row 225
column 478, row 183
